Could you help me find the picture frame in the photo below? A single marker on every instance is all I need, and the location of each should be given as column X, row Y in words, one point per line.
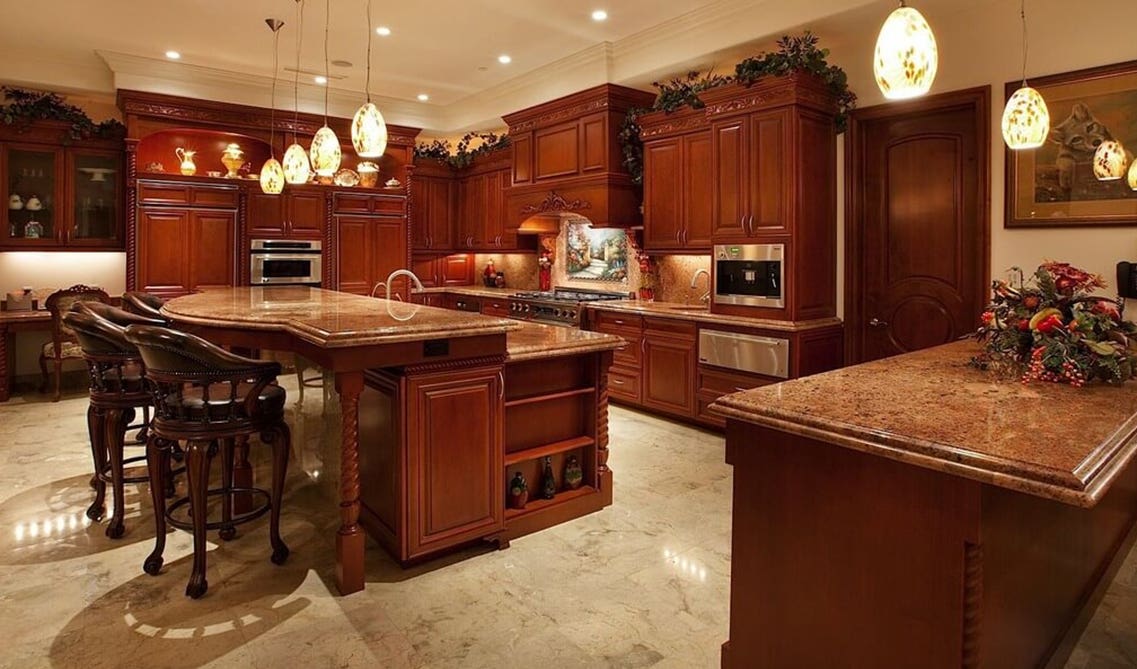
column 596, row 254
column 1054, row 185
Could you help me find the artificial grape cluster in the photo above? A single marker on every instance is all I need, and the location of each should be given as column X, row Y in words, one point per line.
column 1037, row 371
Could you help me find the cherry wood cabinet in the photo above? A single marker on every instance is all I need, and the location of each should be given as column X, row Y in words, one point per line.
column 669, row 355
column 187, row 250
column 69, row 193
column 462, row 210
column 751, row 176
column 367, row 250
column 482, row 221
column 439, row 271
column 434, row 203
column 678, row 182
column 298, row 213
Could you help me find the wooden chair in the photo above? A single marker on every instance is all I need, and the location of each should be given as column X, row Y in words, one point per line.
column 208, row 398
column 144, row 304
column 63, row 344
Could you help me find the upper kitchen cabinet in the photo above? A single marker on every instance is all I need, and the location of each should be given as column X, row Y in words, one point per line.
column 63, row 193
column 482, row 222
column 678, row 186
column 298, row 213
column 567, row 158
column 434, row 207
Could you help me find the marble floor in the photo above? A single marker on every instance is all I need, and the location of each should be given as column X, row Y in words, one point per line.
column 643, row 583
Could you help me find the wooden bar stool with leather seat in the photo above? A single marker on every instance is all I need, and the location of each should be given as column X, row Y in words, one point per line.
column 116, row 390
column 63, row 345
column 144, row 304
column 207, row 397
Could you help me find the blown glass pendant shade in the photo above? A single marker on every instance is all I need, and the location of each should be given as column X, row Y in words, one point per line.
column 272, row 177
column 1110, row 161
column 296, row 167
column 1026, row 120
column 906, row 57
column 325, row 152
column 369, row 132
column 1133, row 175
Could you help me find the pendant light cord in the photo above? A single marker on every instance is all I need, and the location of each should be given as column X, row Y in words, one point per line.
column 1022, row 13
column 327, row 79
column 296, row 72
column 367, row 86
column 275, row 26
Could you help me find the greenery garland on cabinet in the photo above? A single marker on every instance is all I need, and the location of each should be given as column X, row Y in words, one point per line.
column 25, row 107
column 463, row 156
column 794, row 54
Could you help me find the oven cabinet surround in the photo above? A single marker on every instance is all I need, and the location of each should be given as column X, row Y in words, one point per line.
column 567, row 158
column 917, row 521
column 79, row 184
column 435, row 471
column 678, row 181
column 773, row 181
column 660, row 369
column 158, row 124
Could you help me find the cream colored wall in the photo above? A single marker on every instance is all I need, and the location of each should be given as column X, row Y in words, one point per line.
column 980, row 44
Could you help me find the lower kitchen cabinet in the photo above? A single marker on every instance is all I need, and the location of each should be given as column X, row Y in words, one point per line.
column 714, row 382
column 669, row 355
column 368, row 249
column 450, row 270
column 496, row 306
column 187, row 250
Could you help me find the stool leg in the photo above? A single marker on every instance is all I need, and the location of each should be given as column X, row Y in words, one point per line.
column 157, row 465
column 228, row 532
column 281, row 440
column 242, row 475
column 144, row 431
column 114, row 432
column 95, row 429
column 197, row 480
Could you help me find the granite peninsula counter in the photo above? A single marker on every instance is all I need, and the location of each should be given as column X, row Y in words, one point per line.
column 915, row 511
column 436, row 406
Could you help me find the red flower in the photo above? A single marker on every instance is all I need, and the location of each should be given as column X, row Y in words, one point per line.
column 1031, row 302
column 1024, row 325
column 1107, row 308
column 988, row 318
column 1068, row 279
column 1049, row 324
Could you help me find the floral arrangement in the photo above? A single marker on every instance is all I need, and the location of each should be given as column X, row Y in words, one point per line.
column 24, row 107
column 1050, row 327
column 462, row 156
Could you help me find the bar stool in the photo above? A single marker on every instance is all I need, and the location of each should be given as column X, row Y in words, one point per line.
column 116, row 392
column 144, row 304
column 208, row 398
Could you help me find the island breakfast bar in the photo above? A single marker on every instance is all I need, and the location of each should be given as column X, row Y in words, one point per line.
column 346, row 334
column 915, row 511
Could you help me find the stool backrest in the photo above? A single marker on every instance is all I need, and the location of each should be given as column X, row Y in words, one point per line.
column 119, row 317
column 59, row 303
column 111, row 359
column 144, row 304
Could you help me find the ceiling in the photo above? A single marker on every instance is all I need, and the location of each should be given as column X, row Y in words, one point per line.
column 447, row 49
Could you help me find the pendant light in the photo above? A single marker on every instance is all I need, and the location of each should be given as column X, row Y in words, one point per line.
column 906, row 57
column 1133, row 176
column 325, row 152
column 368, row 129
column 272, row 174
column 1026, row 120
column 1110, row 161
column 296, row 168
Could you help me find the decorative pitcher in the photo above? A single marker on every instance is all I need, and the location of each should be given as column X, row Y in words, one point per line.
column 185, row 157
column 232, row 158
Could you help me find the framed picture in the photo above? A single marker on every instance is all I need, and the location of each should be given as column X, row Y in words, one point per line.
column 596, row 254
column 1054, row 185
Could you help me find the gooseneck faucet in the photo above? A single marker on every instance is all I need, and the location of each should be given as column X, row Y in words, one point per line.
column 391, row 279
column 695, row 278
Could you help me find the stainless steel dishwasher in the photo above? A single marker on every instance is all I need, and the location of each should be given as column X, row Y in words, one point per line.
column 768, row 356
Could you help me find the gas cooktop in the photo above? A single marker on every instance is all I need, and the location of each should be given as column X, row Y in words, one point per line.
column 560, row 306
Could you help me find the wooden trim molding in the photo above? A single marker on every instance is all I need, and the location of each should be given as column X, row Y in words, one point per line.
column 555, row 202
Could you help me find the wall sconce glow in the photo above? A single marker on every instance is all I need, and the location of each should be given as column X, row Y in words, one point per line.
column 173, row 55
column 1133, row 176
column 325, row 152
column 1110, row 161
column 383, row 31
column 369, row 132
column 1026, row 120
column 906, row 57
column 504, row 59
column 272, row 176
column 599, row 15
column 296, row 167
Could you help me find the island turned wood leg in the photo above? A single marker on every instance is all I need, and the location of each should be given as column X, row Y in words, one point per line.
column 5, row 379
column 349, row 539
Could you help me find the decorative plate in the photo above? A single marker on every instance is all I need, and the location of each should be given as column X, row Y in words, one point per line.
column 346, row 178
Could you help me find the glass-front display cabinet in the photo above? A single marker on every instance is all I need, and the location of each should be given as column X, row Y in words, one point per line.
column 63, row 195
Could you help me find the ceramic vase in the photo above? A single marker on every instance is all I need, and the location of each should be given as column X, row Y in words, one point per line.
column 232, row 158
column 518, row 492
column 574, row 475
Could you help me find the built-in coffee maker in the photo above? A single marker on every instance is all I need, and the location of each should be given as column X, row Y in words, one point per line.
column 751, row 275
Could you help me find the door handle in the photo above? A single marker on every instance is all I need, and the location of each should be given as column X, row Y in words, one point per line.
column 750, row 225
column 643, row 346
column 684, row 236
column 877, row 323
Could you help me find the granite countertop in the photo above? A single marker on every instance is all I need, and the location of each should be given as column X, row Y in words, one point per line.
column 474, row 291
column 931, row 409
column 330, row 319
column 701, row 314
column 536, row 341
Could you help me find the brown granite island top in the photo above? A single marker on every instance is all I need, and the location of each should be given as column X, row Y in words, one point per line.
column 330, row 319
column 930, row 409
column 534, row 341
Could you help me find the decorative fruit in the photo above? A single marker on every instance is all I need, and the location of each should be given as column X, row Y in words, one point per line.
column 1043, row 315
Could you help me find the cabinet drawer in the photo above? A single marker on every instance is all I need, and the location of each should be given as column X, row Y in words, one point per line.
column 632, row 353
column 386, row 204
column 214, row 197
column 163, row 193
column 717, row 382
column 670, row 327
column 624, row 384
column 351, row 203
column 615, row 323
column 491, row 307
column 706, row 416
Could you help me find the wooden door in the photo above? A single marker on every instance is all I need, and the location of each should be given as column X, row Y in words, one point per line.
column 163, row 258
column 441, row 195
column 212, row 258
column 669, row 374
column 455, row 458
column 388, row 242
column 306, row 215
column 456, row 270
column 266, row 215
column 772, row 173
column 353, row 254
column 698, row 192
column 420, row 213
column 730, row 156
column 494, row 227
column 663, row 194
column 917, row 241
column 473, row 211
column 426, row 269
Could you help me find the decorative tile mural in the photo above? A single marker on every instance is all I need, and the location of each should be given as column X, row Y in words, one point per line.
column 596, row 254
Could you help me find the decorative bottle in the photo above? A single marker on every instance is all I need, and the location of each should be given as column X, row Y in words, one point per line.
column 548, row 480
column 574, row 475
column 518, row 492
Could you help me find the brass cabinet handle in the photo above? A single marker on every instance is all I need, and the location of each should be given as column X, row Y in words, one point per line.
column 877, row 323
column 500, row 385
column 618, row 382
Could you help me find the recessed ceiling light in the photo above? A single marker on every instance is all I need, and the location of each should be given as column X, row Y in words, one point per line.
column 423, row 97
column 173, row 55
column 321, row 79
column 504, row 59
column 599, row 15
column 383, row 31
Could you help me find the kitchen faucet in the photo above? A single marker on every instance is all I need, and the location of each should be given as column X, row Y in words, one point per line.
column 705, row 297
column 386, row 285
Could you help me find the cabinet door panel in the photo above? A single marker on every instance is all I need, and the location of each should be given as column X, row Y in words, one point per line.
column 388, row 241
column 455, row 461
column 456, row 270
column 306, row 215
column 494, row 222
column 266, row 215
column 663, row 193
column 212, row 249
column 698, row 192
column 420, row 213
column 353, row 254
column 556, row 151
column 771, row 172
column 669, row 375
column 426, row 269
column 163, row 263
column 730, row 151
column 441, row 198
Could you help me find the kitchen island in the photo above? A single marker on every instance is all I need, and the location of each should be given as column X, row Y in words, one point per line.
column 915, row 511
column 449, row 400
